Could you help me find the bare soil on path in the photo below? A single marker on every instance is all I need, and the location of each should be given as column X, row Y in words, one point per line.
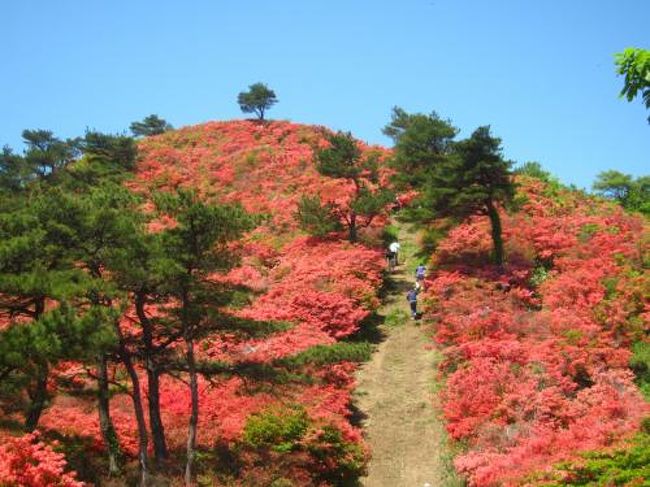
column 396, row 394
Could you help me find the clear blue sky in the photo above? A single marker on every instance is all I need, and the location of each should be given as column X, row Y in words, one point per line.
column 540, row 72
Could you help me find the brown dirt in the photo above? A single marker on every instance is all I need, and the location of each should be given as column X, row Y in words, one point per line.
column 396, row 395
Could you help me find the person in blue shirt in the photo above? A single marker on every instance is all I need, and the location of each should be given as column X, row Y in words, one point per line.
column 420, row 273
column 412, row 298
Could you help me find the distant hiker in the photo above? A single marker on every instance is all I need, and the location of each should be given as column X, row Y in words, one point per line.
column 420, row 273
column 397, row 204
column 390, row 259
column 394, row 247
column 412, row 298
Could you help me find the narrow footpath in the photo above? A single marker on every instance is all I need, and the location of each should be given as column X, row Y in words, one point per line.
column 396, row 393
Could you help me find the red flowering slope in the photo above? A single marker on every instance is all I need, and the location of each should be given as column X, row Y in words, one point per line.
column 537, row 358
column 323, row 288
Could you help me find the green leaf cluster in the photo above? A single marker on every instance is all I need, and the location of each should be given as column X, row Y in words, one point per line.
column 634, row 65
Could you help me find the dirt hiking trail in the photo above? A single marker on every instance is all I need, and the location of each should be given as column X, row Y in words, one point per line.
column 396, row 392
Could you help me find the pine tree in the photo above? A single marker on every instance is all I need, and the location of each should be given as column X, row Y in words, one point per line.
column 197, row 247
column 421, row 142
column 343, row 159
column 151, row 125
column 475, row 179
column 258, row 99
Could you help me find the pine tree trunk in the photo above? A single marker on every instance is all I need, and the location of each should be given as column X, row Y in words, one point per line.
column 38, row 396
column 353, row 226
column 105, row 424
column 153, row 382
column 139, row 416
column 497, row 239
column 194, row 414
column 155, row 419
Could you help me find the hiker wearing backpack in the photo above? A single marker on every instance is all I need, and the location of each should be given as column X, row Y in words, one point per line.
column 394, row 248
column 412, row 298
column 390, row 260
column 420, row 274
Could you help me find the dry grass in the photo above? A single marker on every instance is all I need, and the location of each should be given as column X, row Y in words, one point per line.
column 395, row 396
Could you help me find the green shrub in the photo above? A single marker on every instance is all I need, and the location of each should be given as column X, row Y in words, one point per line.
column 317, row 218
column 534, row 169
column 345, row 462
column 640, row 365
column 330, row 354
column 286, row 439
column 538, row 276
column 389, row 235
column 587, row 231
column 431, row 237
column 279, row 429
column 626, row 466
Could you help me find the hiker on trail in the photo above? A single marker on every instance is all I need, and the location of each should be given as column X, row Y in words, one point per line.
column 394, row 247
column 420, row 273
column 397, row 204
column 412, row 298
column 390, row 259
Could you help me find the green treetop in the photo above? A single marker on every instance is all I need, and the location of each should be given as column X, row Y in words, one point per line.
column 151, row 125
column 633, row 194
column 257, row 99
column 343, row 159
column 475, row 179
column 421, row 141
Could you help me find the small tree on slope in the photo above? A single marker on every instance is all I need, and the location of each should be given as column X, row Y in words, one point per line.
column 343, row 159
column 196, row 248
column 475, row 179
column 151, row 125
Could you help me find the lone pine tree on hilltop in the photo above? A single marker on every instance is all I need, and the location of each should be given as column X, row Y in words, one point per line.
column 257, row 99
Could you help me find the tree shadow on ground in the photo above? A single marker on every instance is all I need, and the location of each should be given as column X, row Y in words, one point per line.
column 369, row 330
column 357, row 416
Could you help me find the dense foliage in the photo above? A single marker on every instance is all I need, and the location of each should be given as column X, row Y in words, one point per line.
column 634, row 65
column 345, row 159
column 537, row 357
column 631, row 193
column 166, row 299
column 153, row 288
column 28, row 462
column 452, row 178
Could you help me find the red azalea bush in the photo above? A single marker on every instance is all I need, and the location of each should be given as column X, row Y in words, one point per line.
column 28, row 462
column 537, row 358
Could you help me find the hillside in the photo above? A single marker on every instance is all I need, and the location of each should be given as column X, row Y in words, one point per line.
column 318, row 290
column 537, row 357
column 533, row 357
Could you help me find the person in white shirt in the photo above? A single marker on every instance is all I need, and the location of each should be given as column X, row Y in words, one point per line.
column 394, row 248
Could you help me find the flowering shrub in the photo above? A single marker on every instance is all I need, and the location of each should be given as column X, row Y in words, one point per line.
column 330, row 458
column 537, row 358
column 28, row 462
column 322, row 289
